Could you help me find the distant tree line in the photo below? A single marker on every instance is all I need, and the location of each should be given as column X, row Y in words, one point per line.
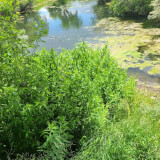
column 123, row 8
column 155, row 14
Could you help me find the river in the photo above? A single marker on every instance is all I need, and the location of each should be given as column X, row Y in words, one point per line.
column 134, row 43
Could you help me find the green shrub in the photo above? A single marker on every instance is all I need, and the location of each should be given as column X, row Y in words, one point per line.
column 78, row 85
column 56, row 144
column 126, row 8
column 155, row 14
column 25, row 4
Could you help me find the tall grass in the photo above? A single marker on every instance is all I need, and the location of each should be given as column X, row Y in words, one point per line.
column 133, row 134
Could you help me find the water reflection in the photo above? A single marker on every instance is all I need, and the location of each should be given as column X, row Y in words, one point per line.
column 67, row 25
column 35, row 27
column 102, row 11
column 64, row 26
column 68, row 19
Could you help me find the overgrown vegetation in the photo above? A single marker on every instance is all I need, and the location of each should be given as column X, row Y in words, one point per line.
column 133, row 134
column 77, row 105
column 58, row 3
column 28, row 4
column 155, row 14
column 134, row 8
column 131, row 7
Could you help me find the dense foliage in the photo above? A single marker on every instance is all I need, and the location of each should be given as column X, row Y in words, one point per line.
column 58, row 3
column 131, row 7
column 10, row 42
column 28, row 4
column 155, row 14
column 69, row 93
column 49, row 102
column 55, row 105
column 24, row 4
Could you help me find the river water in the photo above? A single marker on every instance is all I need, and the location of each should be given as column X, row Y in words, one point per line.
column 133, row 43
column 67, row 25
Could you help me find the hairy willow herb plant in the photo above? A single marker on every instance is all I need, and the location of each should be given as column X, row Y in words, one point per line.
column 77, row 87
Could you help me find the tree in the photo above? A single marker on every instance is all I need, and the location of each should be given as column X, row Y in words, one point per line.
column 155, row 14
column 10, row 42
column 131, row 8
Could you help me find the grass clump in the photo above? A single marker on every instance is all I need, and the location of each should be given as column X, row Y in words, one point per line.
column 133, row 134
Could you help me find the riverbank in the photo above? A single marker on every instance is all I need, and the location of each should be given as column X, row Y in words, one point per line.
column 135, row 47
column 152, row 91
column 30, row 5
column 41, row 4
column 133, row 43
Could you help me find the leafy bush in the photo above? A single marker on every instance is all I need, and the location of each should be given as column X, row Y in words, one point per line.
column 10, row 43
column 56, row 144
column 155, row 14
column 78, row 85
column 25, row 4
column 126, row 8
